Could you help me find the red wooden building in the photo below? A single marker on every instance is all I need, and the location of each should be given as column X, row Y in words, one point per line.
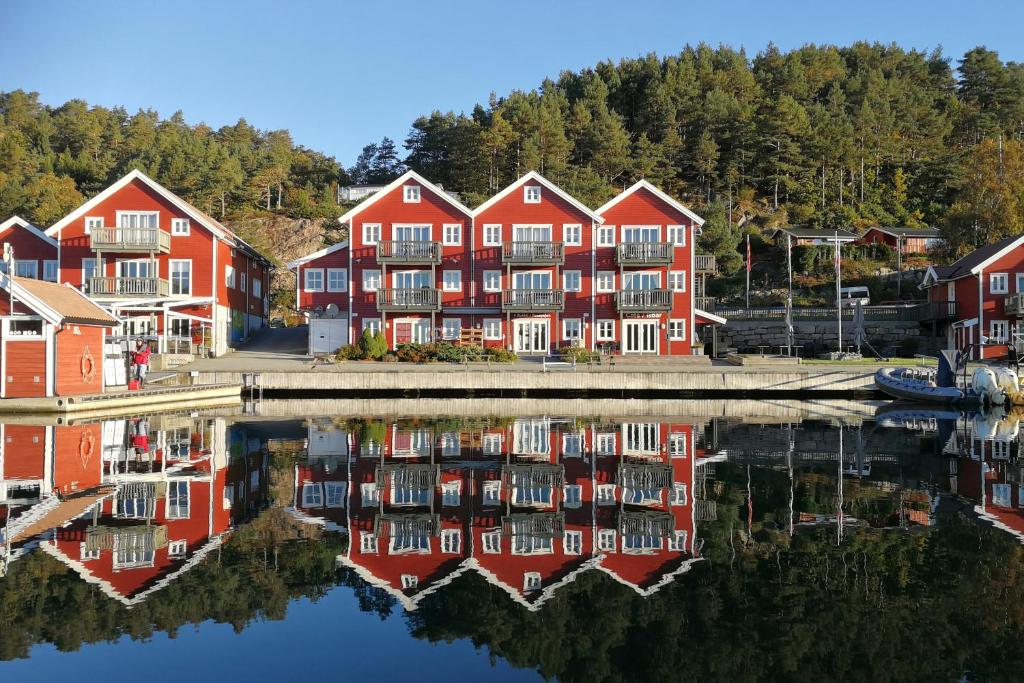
column 908, row 240
column 35, row 252
column 163, row 267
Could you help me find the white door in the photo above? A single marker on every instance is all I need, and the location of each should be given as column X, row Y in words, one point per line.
column 531, row 336
column 327, row 335
column 114, row 369
column 641, row 336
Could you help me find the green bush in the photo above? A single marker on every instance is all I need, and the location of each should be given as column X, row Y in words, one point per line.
column 578, row 354
column 803, row 258
column 445, row 352
column 373, row 346
column 415, row 353
column 500, row 355
column 350, row 352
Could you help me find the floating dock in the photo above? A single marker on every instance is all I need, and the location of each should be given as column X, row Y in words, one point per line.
column 195, row 396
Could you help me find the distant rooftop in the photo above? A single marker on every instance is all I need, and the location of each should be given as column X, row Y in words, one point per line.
column 817, row 233
column 906, row 231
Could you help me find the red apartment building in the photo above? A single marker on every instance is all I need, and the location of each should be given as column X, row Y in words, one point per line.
column 163, row 267
column 35, row 252
column 532, row 268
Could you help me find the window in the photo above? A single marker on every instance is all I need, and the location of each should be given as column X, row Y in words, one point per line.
column 677, row 280
column 177, row 500
column 572, row 281
column 606, row 494
column 492, row 329
column 334, row 492
column 606, row 236
column 181, row 276
column 572, row 331
column 677, row 542
column 573, row 495
column 452, row 281
column 641, row 234
column 337, row 279
column 452, row 235
column 677, row 445
column 998, row 331
column 492, row 235
column 492, row 541
column 677, row 330
column 451, row 491
column 605, row 281
column 26, row 269
column 243, row 282
column 50, row 271
column 606, row 540
column 367, row 542
column 229, row 278
column 92, row 222
column 677, row 235
column 572, row 445
column 451, row 541
column 314, row 279
column 531, row 194
column 371, row 233
column 1020, row 282
column 25, row 328
column 491, row 444
column 605, row 330
column 90, row 269
column 572, row 235
column 531, row 581
column 177, row 549
column 370, row 494
column 678, row 494
column 604, row 443
column 451, row 328
column 138, row 219
column 180, row 226
column 492, row 280
column 572, row 542
column 998, row 283
column 372, row 324
column 492, row 488
column 371, row 280
column 410, row 581
column 257, row 287
column 312, row 495
column 411, row 194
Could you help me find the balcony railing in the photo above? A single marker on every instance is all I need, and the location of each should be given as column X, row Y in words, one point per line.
column 1012, row 305
column 408, row 251
column 532, row 300
column 705, row 263
column 533, row 253
column 423, row 299
column 705, row 303
column 637, row 300
column 127, row 286
column 129, row 239
column 644, row 253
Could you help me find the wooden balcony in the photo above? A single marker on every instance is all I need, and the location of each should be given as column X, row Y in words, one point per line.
column 644, row 253
column 705, row 264
column 532, row 300
column 425, row 299
column 408, row 252
column 705, row 303
column 643, row 300
column 532, row 253
column 130, row 240
column 127, row 287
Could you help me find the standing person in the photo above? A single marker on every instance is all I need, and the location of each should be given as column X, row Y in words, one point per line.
column 140, row 359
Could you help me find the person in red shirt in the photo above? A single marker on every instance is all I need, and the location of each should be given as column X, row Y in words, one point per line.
column 140, row 360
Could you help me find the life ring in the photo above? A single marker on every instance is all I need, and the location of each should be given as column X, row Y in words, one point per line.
column 87, row 365
column 86, row 446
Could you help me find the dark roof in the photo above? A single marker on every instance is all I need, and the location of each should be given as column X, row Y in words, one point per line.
column 906, row 231
column 963, row 266
column 70, row 304
column 817, row 233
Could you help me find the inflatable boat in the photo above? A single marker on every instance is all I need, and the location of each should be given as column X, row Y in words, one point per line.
column 917, row 384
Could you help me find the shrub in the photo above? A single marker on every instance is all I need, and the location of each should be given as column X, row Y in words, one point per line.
column 372, row 345
column 500, row 355
column 415, row 353
column 803, row 258
column 349, row 352
column 578, row 354
column 389, row 357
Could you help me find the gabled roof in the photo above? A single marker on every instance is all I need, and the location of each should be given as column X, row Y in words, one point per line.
column 203, row 218
column 817, row 233
column 19, row 222
column 906, row 231
column 538, row 178
column 397, row 182
column 710, row 317
column 976, row 261
column 292, row 265
column 57, row 303
column 644, row 185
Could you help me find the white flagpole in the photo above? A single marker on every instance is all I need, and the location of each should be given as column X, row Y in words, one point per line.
column 839, row 301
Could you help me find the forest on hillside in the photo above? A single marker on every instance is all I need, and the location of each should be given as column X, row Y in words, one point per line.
column 820, row 135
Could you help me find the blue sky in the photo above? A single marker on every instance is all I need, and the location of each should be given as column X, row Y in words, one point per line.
column 341, row 74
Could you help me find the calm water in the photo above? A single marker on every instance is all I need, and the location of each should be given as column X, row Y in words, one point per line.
column 814, row 541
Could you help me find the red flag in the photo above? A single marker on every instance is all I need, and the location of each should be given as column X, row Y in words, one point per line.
column 838, row 258
column 748, row 253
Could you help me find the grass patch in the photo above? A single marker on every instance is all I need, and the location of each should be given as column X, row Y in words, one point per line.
column 873, row 361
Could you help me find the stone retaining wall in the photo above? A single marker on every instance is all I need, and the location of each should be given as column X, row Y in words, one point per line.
column 821, row 335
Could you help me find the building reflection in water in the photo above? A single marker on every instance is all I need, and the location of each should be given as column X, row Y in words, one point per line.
column 128, row 504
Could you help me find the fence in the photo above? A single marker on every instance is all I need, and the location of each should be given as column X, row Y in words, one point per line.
column 919, row 312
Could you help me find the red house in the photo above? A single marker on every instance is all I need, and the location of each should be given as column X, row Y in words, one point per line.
column 908, row 240
column 166, row 269
column 35, row 252
column 52, row 343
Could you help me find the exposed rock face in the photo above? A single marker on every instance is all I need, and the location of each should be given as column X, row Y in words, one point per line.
column 747, row 335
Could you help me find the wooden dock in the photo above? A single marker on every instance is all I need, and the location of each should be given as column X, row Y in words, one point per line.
column 128, row 402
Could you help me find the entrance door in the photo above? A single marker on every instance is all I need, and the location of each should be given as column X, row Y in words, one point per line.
column 412, row 332
column 531, row 336
column 641, row 336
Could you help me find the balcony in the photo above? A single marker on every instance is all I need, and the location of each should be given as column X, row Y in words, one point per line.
column 118, row 287
column 705, row 303
column 705, row 264
column 1013, row 304
column 532, row 253
column 425, row 299
column 948, row 310
column 532, row 300
column 408, row 252
column 644, row 254
column 130, row 240
column 643, row 300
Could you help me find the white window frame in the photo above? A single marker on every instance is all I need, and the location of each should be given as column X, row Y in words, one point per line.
column 489, row 488
column 677, row 329
column 372, row 323
column 572, row 234
column 491, row 542
column 531, row 194
column 572, row 496
column 576, row 275
column 18, row 263
column 606, row 236
column 334, row 493
column 371, row 233
column 96, row 268
column 369, row 494
column 996, row 278
column 679, row 495
column 229, row 277
column 451, row 491
column 1020, row 282
column 606, row 494
column 489, row 286
column 604, row 443
column 531, row 581
column 306, row 286
column 50, row 269
column 606, row 540
column 491, row 444
column 490, row 325
column 677, row 444
column 371, row 274
column 411, row 194
column 243, row 282
column 344, row 279
column 676, row 235
column 410, row 582
column 451, row 234
column 492, row 234
column 257, row 287
column 180, row 227
column 605, row 281
column 447, row 333
column 118, row 214
column 312, row 494
column 451, row 541
column 445, row 286
column 677, row 280
column 567, row 331
column 604, row 330
column 367, row 543
column 994, row 338
column 170, row 275
column 92, row 222
column 572, row 543
column 677, row 542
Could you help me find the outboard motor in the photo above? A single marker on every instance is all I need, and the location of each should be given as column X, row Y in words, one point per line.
column 986, row 386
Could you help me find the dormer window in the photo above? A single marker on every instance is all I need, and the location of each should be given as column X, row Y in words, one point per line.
column 531, row 194
column 412, row 194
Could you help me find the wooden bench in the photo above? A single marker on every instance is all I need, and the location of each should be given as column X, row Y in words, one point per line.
column 548, row 365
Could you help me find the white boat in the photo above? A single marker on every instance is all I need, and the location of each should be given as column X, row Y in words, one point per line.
column 916, row 384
